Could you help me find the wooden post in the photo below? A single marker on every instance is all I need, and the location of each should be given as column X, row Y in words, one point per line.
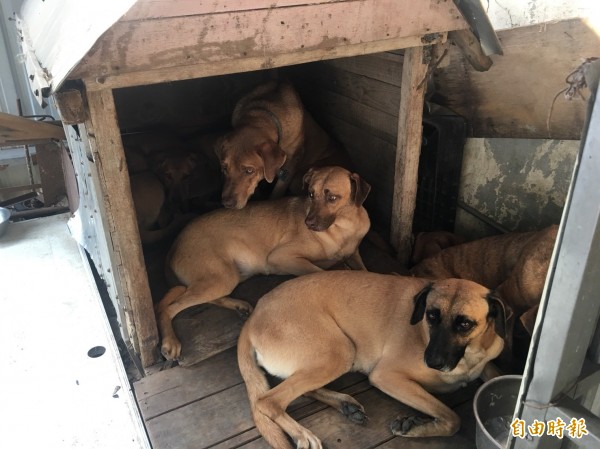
column 109, row 156
column 412, row 92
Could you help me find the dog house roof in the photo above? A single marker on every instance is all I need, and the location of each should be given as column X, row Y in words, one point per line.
column 118, row 43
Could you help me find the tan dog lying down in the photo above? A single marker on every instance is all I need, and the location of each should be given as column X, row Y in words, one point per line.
column 514, row 264
column 294, row 235
column 410, row 336
column 273, row 137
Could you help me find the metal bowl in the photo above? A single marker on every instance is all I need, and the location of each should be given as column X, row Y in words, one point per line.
column 4, row 217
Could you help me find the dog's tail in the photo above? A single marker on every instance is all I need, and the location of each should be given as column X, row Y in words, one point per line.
column 257, row 385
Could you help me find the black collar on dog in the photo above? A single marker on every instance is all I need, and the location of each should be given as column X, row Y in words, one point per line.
column 275, row 121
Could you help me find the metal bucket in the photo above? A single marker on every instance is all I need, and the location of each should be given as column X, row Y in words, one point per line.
column 494, row 406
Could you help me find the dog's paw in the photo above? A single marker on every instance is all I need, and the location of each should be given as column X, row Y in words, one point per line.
column 308, row 440
column 244, row 311
column 354, row 412
column 170, row 349
column 402, row 426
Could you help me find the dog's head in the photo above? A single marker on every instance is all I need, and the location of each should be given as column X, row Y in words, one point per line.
column 457, row 313
column 331, row 190
column 174, row 168
column 245, row 161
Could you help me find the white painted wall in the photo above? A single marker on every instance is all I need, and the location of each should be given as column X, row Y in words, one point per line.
column 13, row 77
column 514, row 13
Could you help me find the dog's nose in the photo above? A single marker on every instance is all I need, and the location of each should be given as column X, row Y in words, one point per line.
column 228, row 202
column 311, row 223
column 437, row 363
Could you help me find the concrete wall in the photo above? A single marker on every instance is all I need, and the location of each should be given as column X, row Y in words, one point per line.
column 514, row 13
column 520, row 184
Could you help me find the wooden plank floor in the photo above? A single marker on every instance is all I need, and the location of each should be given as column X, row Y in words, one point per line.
column 205, row 406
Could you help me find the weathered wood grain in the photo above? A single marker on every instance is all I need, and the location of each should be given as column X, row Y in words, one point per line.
column 19, row 129
column 362, row 89
column 154, row 9
column 513, row 98
column 410, row 125
column 385, row 66
column 173, row 388
column 134, row 53
column 105, row 138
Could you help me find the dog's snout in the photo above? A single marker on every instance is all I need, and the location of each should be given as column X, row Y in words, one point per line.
column 437, row 363
column 311, row 222
column 228, row 202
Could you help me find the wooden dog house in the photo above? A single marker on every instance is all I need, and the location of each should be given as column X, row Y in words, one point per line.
column 163, row 41
column 137, row 46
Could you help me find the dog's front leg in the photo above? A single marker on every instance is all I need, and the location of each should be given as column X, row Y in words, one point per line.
column 442, row 422
column 284, row 263
column 355, row 261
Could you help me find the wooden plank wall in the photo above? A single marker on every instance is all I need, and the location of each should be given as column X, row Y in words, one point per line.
column 357, row 100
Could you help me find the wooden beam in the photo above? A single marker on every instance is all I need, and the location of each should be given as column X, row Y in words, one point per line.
column 253, row 39
column 155, row 9
column 71, row 106
column 247, row 64
column 412, row 93
column 109, row 156
column 15, row 129
column 471, row 49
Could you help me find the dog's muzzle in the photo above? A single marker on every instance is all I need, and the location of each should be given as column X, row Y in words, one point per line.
column 441, row 354
column 318, row 224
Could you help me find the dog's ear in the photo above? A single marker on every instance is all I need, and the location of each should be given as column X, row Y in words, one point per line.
column 273, row 158
column 497, row 313
column 360, row 189
column 307, row 178
column 217, row 146
column 420, row 301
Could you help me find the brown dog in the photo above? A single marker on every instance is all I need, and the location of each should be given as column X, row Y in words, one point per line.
column 273, row 137
column 295, row 235
column 428, row 244
column 514, row 264
column 313, row 329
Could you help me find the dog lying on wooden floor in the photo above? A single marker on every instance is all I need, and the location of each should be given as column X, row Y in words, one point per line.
column 411, row 337
column 273, row 137
column 427, row 244
column 514, row 264
column 294, row 235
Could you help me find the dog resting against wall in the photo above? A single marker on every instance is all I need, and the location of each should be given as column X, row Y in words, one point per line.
column 273, row 137
column 514, row 264
column 411, row 336
column 293, row 235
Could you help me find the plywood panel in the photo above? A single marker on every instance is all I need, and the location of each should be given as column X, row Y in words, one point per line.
column 514, row 97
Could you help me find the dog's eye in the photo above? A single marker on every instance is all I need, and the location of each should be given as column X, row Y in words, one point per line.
column 311, row 194
column 332, row 198
column 248, row 170
column 464, row 326
column 433, row 316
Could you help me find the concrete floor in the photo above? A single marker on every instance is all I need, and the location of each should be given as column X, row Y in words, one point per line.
column 54, row 393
